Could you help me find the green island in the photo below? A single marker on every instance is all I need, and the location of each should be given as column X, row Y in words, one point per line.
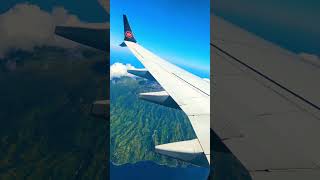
column 46, row 129
column 136, row 126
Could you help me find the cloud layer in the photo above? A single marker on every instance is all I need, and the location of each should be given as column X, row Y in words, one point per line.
column 26, row 26
column 118, row 70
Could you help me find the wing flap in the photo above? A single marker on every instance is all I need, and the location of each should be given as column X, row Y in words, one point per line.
column 100, row 108
column 188, row 151
column 160, row 97
column 141, row 73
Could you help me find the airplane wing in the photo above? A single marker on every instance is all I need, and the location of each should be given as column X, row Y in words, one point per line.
column 97, row 38
column 182, row 90
column 266, row 107
column 95, row 35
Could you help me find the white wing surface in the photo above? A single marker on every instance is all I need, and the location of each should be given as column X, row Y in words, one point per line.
column 265, row 107
column 190, row 93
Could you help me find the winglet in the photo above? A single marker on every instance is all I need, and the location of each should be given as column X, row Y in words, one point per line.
column 128, row 35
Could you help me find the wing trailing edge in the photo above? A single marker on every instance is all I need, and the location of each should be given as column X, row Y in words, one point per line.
column 100, row 109
column 189, row 151
column 143, row 73
column 159, row 97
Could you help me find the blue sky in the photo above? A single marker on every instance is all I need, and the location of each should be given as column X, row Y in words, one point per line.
column 176, row 31
column 86, row 10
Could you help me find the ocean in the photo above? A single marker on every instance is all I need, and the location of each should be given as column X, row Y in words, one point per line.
column 145, row 170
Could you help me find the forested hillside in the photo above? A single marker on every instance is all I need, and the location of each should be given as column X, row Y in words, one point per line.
column 137, row 126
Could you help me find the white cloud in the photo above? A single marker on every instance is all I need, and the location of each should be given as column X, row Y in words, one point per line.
column 118, row 70
column 26, row 26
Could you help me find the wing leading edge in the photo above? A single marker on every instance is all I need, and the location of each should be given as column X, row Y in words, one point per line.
column 190, row 93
